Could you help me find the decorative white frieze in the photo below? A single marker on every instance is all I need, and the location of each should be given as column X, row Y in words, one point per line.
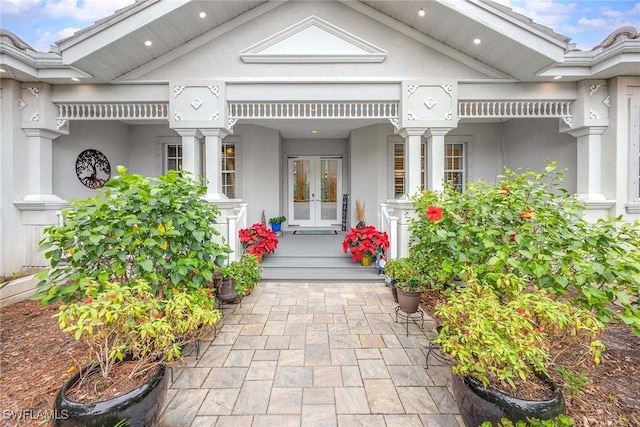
column 215, row 90
column 201, row 104
column 113, row 111
column 411, row 89
column 592, row 114
column 34, row 91
column 60, row 123
column 177, row 116
column 448, row 116
column 395, row 122
column 21, row 104
column 428, row 104
column 607, row 101
column 313, row 110
column 447, row 88
column 215, row 117
column 593, row 89
column 35, row 116
column 513, row 109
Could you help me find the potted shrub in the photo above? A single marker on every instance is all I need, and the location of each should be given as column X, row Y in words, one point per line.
column 130, row 334
column 276, row 223
column 528, row 225
column 501, row 332
column 136, row 230
column 258, row 240
column 244, row 273
column 365, row 243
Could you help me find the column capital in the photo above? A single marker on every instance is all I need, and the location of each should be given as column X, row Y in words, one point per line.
column 218, row 132
column 586, row 130
column 406, row 132
column 437, row 132
column 42, row 133
column 192, row 132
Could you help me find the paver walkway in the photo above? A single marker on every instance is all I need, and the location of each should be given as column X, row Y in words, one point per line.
column 313, row 354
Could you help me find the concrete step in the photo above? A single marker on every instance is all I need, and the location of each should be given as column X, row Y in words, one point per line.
column 314, row 274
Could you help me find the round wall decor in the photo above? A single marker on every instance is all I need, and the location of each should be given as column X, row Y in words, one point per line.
column 93, row 168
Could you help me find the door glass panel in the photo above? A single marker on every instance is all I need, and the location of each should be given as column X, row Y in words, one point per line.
column 301, row 183
column 329, row 189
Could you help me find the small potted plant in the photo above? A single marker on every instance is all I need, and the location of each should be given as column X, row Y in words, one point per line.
column 276, row 223
column 258, row 240
column 365, row 243
column 244, row 273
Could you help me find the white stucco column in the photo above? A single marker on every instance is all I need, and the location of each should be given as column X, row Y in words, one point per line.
column 412, row 146
column 435, row 158
column 40, row 166
column 191, row 150
column 213, row 162
column 589, row 162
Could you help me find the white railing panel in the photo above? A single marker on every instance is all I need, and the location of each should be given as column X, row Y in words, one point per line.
column 235, row 224
column 514, row 109
column 313, row 110
column 113, row 111
column 389, row 224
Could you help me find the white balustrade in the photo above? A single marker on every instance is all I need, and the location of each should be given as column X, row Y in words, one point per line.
column 236, row 223
column 531, row 109
column 313, row 110
column 138, row 111
column 389, row 224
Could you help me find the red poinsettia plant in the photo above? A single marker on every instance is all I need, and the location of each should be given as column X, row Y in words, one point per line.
column 365, row 241
column 258, row 239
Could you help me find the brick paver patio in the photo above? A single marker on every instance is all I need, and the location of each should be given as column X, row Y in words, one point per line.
column 313, row 354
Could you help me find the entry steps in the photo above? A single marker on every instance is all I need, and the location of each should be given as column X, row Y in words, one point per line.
column 316, row 269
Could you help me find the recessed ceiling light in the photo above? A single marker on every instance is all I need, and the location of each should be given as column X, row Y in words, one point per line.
column 202, row 14
column 314, row 131
column 148, row 43
column 477, row 41
column 557, row 77
column 421, row 12
column 75, row 79
column 2, row 70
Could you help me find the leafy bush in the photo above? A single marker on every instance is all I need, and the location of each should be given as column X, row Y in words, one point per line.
column 365, row 241
column 530, row 226
column 245, row 272
column 559, row 421
column 160, row 230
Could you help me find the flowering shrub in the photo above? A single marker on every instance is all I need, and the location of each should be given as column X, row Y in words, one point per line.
column 258, row 239
column 500, row 329
column 245, row 272
column 365, row 241
column 528, row 225
column 116, row 320
column 407, row 274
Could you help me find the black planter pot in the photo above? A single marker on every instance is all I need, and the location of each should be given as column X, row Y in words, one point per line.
column 140, row 407
column 394, row 291
column 478, row 404
column 408, row 301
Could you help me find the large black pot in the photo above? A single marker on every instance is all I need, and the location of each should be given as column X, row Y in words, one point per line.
column 478, row 404
column 140, row 407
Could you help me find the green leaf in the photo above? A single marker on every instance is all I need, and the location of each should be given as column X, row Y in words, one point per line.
column 147, row 265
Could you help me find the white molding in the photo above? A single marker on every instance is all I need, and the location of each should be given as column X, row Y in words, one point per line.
column 113, row 111
column 369, row 52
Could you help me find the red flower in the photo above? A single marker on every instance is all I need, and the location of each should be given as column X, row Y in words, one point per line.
column 87, row 300
column 258, row 239
column 434, row 213
column 158, row 316
column 365, row 241
column 504, row 190
column 512, row 237
column 526, row 214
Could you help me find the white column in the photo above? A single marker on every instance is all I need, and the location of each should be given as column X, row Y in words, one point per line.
column 435, row 158
column 40, row 166
column 191, row 150
column 213, row 162
column 412, row 147
column 589, row 162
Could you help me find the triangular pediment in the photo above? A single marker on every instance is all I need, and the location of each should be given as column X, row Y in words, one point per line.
column 313, row 40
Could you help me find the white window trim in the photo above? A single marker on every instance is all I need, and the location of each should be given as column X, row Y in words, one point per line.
column 161, row 149
column 237, row 141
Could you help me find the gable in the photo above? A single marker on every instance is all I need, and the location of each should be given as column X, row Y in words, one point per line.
column 313, row 40
column 280, row 35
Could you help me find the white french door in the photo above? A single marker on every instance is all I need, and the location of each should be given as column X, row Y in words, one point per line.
column 315, row 191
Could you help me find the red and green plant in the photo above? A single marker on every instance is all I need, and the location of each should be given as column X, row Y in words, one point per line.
column 258, row 239
column 365, row 241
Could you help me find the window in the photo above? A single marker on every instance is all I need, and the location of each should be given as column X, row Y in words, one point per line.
column 172, row 160
column 398, row 167
column 173, row 156
column 454, row 164
column 454, row 168
column 229, row 169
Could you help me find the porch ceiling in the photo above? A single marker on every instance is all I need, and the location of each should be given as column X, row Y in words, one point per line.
column 511, row 44
column 301, row 128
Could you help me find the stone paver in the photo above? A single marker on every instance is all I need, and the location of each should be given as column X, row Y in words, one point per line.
column 313, row 354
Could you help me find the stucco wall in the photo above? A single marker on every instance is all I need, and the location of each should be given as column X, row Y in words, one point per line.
column 403, row 53
column 111, row 138
column 530, row 143
column 261, row 164
column 145, row 151
column 13, row 170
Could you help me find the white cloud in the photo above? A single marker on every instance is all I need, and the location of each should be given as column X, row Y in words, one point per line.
column 86, row 11
column 16, row 7
column 550, row 13
column 611, row 13
column 46, row 38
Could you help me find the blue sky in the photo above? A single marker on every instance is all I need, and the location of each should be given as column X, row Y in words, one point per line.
column 587, row 22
